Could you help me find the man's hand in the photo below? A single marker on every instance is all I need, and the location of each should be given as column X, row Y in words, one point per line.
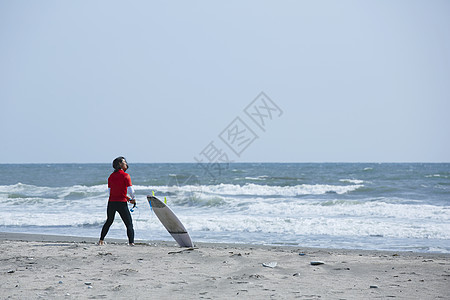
column 132, row 201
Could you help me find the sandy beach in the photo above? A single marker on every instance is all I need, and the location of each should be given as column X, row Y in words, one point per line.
column 59, row 267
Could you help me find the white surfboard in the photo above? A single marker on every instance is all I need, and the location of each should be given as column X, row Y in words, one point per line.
column 170, row 222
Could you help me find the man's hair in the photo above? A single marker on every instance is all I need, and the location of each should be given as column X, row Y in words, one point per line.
column 116, row 163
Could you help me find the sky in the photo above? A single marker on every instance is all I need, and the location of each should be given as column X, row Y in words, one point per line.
column 244, row 81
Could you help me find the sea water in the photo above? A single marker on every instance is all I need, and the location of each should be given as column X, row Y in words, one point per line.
column 400, row 207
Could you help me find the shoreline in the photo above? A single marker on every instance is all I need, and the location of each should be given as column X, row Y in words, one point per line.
column 33, row 237
column 65, row 267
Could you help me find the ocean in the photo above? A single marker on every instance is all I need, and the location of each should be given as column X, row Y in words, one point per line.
column 371, row 206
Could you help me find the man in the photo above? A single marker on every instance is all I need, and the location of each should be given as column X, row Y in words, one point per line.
column 119, row 185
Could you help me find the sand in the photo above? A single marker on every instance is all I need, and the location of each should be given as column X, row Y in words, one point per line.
column 57, row 267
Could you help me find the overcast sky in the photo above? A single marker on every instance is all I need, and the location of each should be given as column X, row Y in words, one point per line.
column 176, row 81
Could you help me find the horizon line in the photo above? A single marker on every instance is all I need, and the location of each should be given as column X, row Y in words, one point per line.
column 241, row 162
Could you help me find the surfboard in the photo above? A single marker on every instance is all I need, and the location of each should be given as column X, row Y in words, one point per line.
column 170, row 222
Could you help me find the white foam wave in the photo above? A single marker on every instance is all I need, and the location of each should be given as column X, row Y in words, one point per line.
column 24, row 191
column 270, row 210
column 318, row 225
column 351, row 209
column 262, row 177
column 355, row 181
column 436, row 176
column 51, row 191
column 47, row 218
column 288, row 191
column 251, row 189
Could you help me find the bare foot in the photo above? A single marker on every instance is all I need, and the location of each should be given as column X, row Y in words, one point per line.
column 101, row 243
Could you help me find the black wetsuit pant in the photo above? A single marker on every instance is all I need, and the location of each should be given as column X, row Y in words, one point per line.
column 122, row 209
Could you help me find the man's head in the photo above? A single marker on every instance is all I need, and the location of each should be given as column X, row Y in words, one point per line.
column 120, row 163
